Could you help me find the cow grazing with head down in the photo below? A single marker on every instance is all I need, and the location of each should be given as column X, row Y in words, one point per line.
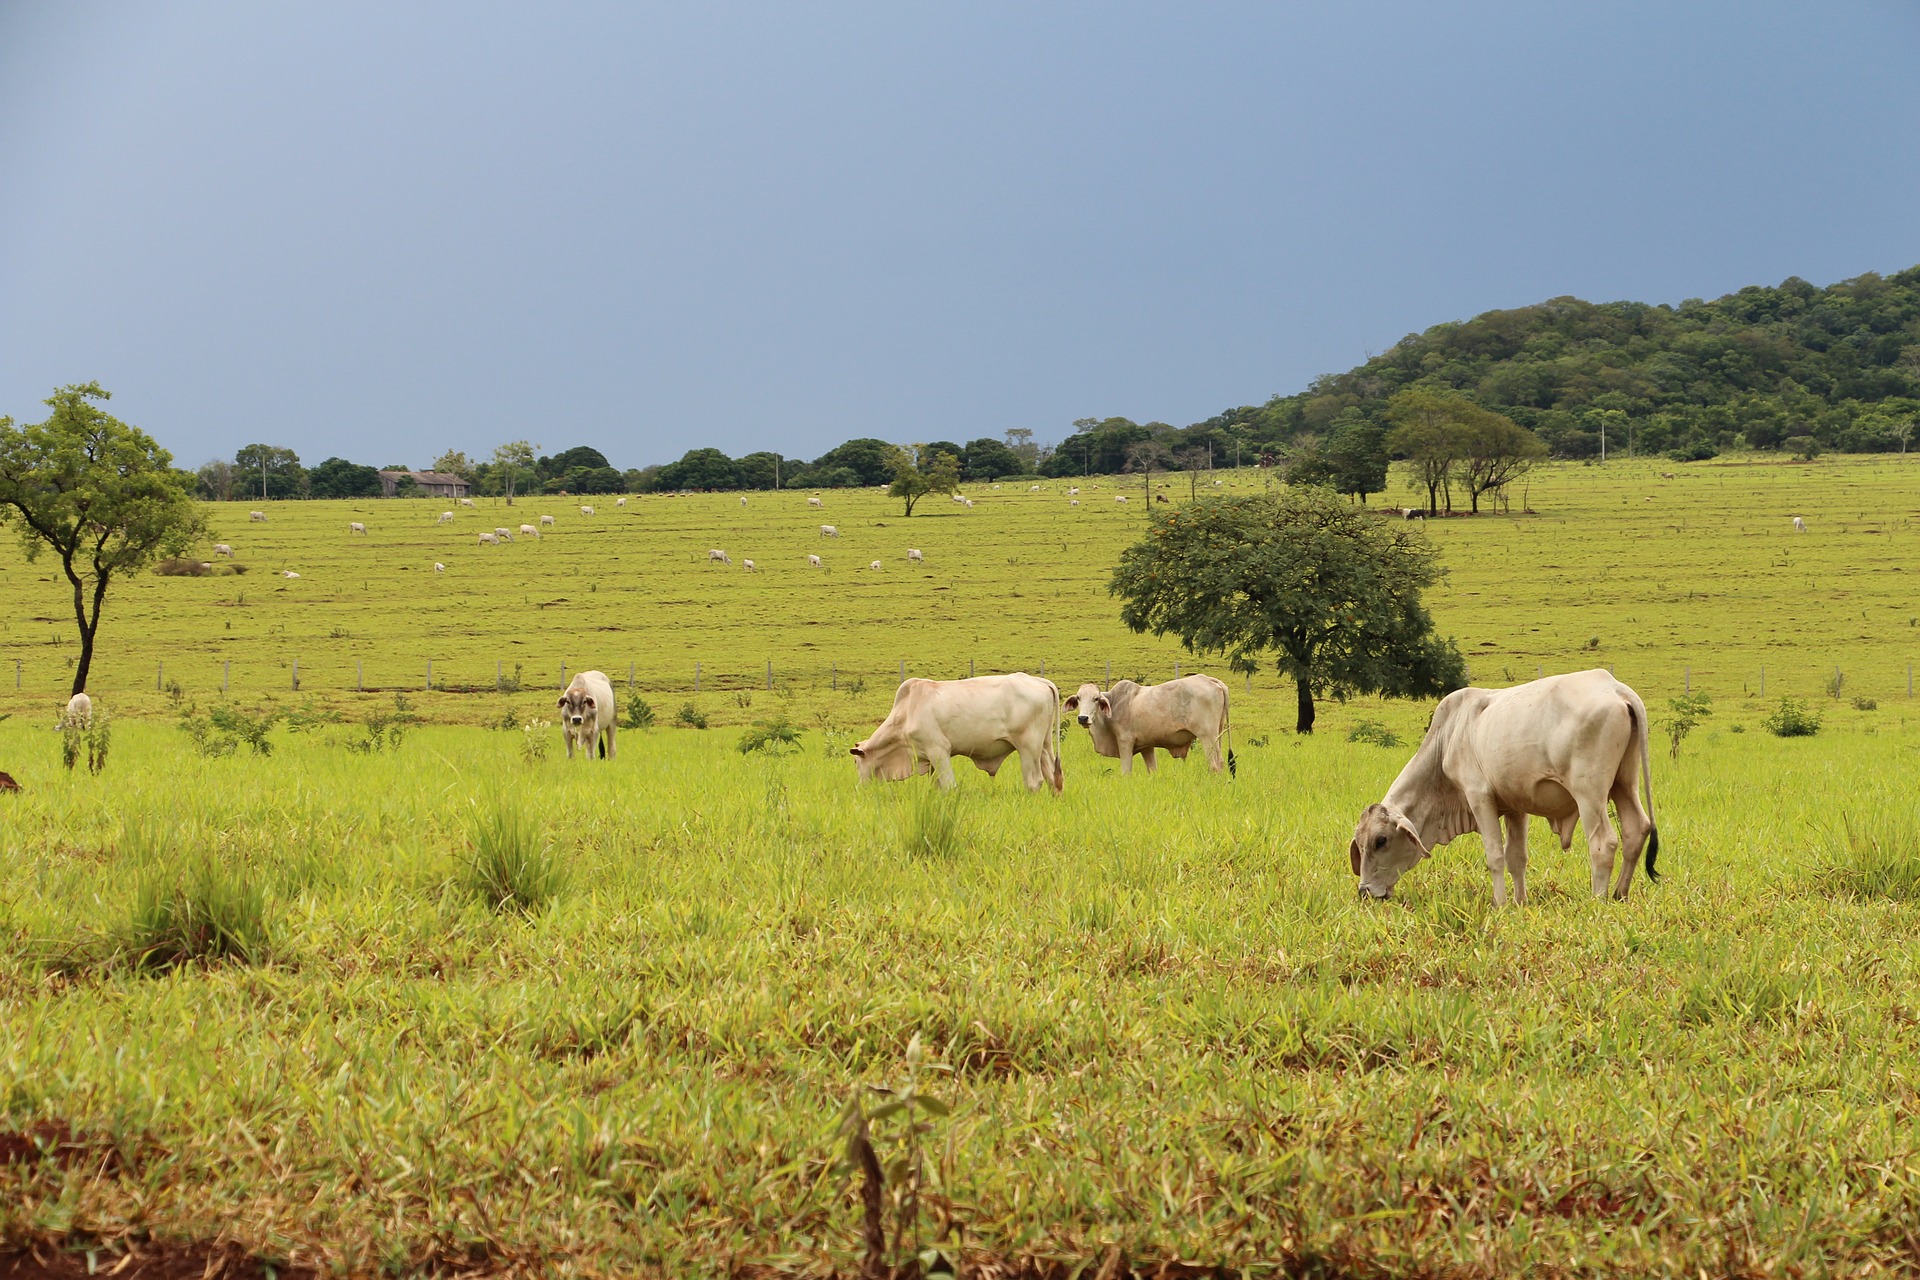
column 986, row 719
column 222, row 549
column 586, row 714
column 813, row 562
column 718, row 556
column 1135, row 718
column 1559, row 747
column 79, row 712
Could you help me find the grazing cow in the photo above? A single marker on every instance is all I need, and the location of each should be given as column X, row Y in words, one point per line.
column 222, row 549
column 1073, row 502
column 288, row 573
column 1159, row 497
column 546, row 522
column 718, row 554
column 1119, row 497
column 747, row 565
column 467, row 502
column 1667, row 475
column 1074, row 492
column 445, row 517
column 7, row 783
column 528, row 531
column 206, row 566
column 1413, row 513
column 743, row 500
column 829, row 531
column 256, row 517
column 874, row 565
column 968, row 502
column 814, row 561
column 503, row 534
column 1799, row 525
column 586, row 714
column 1033, row 488
column 914, row 554
column 619, row 502
column 356, row 527
column 1135, row 718
column 815, row 502
column 489, row 540
column 956, row 497
column 586, row 511
column 1559, row 747
column 438, row 567
column 79, row 712
column 985, row 719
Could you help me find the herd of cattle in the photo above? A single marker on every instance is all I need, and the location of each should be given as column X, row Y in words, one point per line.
column 1558, row 748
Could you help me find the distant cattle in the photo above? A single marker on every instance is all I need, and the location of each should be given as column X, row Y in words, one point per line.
column 1131, row 719
column 815, row 502
column 529, row 531
column 256, row 517
column 503, row 534
column 718, row 554
column 814, row 561
column 1074, row 492
column 828, row 531
column 619, row 502
column 1667, row 475
column 747, row 565
column 438, row 567
column 985, row 719
column 445, row 516
column 1073, row 502
column 79, row 712
column 586, row 511
column 1119, row 497
column 489, row 540
column 957, row 498
column 1033, row 488
column 222, row 549
column 743, row 500
column 1159, row 497
column 545, row 521
column 969, row 503
column 1560, row 747
column 356, row 527
column 874, row 565
column 586, row 714
column 466, row 502
column 1799, row 525
column 914, row 554
column 288, row 573
column 1413, row 513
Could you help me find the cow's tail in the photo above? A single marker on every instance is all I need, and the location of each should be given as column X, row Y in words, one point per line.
column 1226, row 728
column 1646, row 785
column 1055, row 774
column 600, row 740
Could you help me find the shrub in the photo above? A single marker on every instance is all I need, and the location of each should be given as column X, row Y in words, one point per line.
column 1688, row 712
column 513, row 866
column 1791, row 719
column 639, row 714
column 533, row 740
column 1863, row 703
column 244, row 727
column 1374, row 732
column 772, row 736
column 690, row 717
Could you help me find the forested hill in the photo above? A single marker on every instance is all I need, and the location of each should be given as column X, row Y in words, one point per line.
column 1759, row 368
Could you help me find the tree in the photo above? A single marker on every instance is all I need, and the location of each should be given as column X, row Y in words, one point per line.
column 987, row 459
column 1426, row 433
column 870, row 460
column 1495, row 451
column 268, row 471
column 1356, row 455
column 761, row 470
column 701, row 469
column 1331, row 594
column 216, row 480
column 1144, row 457
column 1020, row 443
column 513, row 466
column 99, row 494
column 454, row 462
column 338, row 478
column 919, row 471
column 1193, row 459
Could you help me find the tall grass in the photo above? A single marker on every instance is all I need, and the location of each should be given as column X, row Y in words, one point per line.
column 932, row 825
column 1873, row 852
column 190, row 906
column 511, row 865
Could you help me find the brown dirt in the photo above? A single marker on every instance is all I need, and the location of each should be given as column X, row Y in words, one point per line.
column 54, row 1141
column 146, row 1261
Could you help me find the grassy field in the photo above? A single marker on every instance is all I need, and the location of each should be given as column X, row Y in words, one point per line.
column 1158, row 1019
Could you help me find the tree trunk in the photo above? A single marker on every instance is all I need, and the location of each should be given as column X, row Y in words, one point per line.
column 87, row 630
column 1303, row 719
column 1433, row 499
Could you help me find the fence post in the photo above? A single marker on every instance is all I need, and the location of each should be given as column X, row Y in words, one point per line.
column 1909, row 680
column 1836, row 682
column 629, row 677
column 833, row 674
column 16, row 676
column 359, row 677
column 969, row 668
column 159, row 677
column 296, row 675
column 1176, row 671
column 769, row 673
column 563, row 677
column 429, row 675
column 1539, row 670
column 696, row 677
column 903, row 671
column 1763, row 679
column 226, row 674
column 1043, row 667
column 1110, row 673
column 1689, row 678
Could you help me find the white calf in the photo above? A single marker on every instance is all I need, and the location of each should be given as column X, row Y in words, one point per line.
column 1799, row 525
column 743, row 502
column 444, row 517
column 874, row 565
column 815, row 502
column 256, row 517
column 545, row 521
column 718, row 554
column 914, row 554
column 222, row 549
column 79, row 712
column 356, row 527
column 814, row 561
column 828, row 531
column 289, row 574
column 619, row 502
column 747, row 565
column 969, row 502
column 438, row 567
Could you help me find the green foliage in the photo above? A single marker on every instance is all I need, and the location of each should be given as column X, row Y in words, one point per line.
column 511, row 865
column 690, row 717
column 534, row 739
column 1372, row 731
column 771, row 736
column 1792, row 719
column 1863, row 703
column 920, row 470
column 189, row 907
column 894, row 1189
column 933, row 827
column 99, row 494
column 1874, row 854
column 1332, row 596
column 1687, row 713
column 222, row 731
column 285, row 477
column 638, row 714
column 338, row 478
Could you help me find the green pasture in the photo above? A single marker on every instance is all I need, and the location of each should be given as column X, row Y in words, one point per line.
column 1157, row 1017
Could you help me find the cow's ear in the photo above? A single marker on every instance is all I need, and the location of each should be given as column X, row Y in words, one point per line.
column 857, row 751
column 1414, row 836
column 1072, row 703
column 1353, row 855
column 562, row 704
column 1105, row 704
column 591, row 704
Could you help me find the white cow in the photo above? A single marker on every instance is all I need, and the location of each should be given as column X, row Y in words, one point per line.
column 619, row 502
column 743, row 500
column 1799, row 525
column 528, row 531
column 1119, row 497
column 256, row 517
column 503, row 534
column 546, row 521
column 718, row 554
column 914, row 554
column 356, row 527
column 489, row 540
column 586, row 511
column 1073, row 502
column 814, row 561
column 1074, row 492
column 586, row 714
column 874, row 565
column 1559, row 747
column 815, row 502
column 1033, row 488
column 1135, row 718
column 222, row 549
column 467, row 502
column 747, row 565
column 79, row 712
column 986, row 719
column 288, row 573
column 968, row 502
column 829, row 531
column 445, row 517
column 438, row 567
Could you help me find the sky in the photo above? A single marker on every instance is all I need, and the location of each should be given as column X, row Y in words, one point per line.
column 383, row 230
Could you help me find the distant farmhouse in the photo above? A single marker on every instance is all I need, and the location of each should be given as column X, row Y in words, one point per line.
column 433, row 484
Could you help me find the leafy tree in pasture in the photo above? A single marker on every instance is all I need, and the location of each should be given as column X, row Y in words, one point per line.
column 1426, row 434
column 268, row 471
column 1193, row 461
column 511, row 468
column 870, row 460
column 1332, row 595
column 454, row 462
column 1495, row 451
column 1020, row 444
column 701, row 469
column 919, row 470
column 988, row 459
column 338, row 478
column 761, row 470
column 215, row 480
column 99, row 494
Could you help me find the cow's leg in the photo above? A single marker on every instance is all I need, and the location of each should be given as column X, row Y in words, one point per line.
column 610, row 728
column 1517, row 855
column 568, row 735
column 1635, row 826
column 1601, row 842
column 1147, row 758
column 1214, row 760
column 1125, row 746
column 940, row 763
column 1487, row 818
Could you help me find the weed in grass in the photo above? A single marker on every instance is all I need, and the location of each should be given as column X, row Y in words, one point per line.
column 638, row 715
column 511, row 864
column 691, row 717
column 1863, row 703
column 1874, row 854
column 1372, row 731
column 932, row 827
column 189, row 907
column 1792, row 719
column 1687, row 713
column 901, row 1183
column 771, row 736
column 533, row 740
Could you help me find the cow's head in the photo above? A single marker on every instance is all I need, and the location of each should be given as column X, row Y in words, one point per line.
column 578, row 708
column 1385, row 847
column 886, row 759
column 1088, row 703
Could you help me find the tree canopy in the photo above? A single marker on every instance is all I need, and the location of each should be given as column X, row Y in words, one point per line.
column 99, row 494
column 921, row 469
column 1331, row 595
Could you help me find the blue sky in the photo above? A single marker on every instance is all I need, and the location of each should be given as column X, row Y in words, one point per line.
column 381, row 230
